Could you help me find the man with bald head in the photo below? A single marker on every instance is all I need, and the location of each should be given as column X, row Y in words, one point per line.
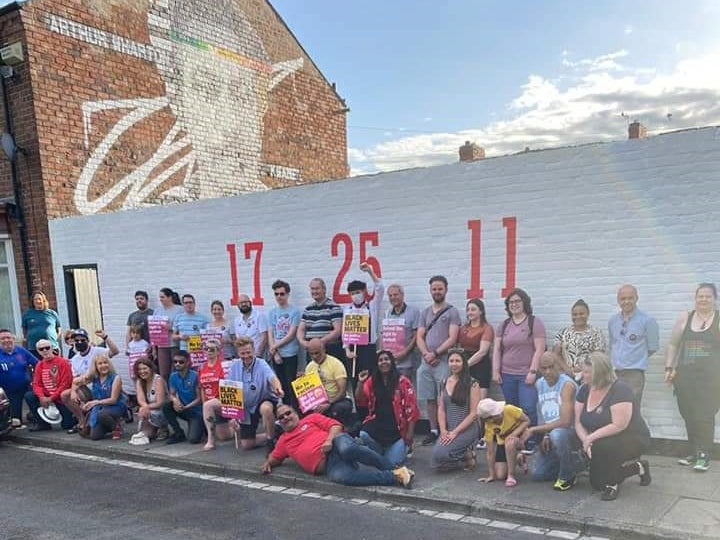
column 333, row 375
column 634, row 338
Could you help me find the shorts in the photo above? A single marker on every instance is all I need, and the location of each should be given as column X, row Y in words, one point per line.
column 249, row 431
column 430, row 378
column 157, row 419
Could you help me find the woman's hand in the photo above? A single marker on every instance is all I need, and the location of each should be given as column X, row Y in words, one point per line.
column 89, row 405
column 447, row 437
column 530, row 378
column 497, row 378
column 363, row 375
column 670, row 376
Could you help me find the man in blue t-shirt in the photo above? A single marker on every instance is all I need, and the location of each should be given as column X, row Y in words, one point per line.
column 189, row 323
column 16, row 366
column 557, row 456
column 184, row 402
column 283, row 322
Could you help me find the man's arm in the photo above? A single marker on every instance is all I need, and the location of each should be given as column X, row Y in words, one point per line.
column 566, row 412
column 270, row 462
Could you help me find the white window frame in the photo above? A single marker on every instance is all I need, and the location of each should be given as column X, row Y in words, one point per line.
column 15, row 297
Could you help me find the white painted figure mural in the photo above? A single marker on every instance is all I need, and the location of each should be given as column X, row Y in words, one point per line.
column 217, row 79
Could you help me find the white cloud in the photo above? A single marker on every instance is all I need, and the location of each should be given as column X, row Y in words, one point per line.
column 582, row 106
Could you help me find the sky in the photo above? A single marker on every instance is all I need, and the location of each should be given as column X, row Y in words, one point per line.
column 421, row 77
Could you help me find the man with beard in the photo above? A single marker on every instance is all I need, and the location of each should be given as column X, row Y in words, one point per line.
column 319, row 446
column 252, row 323
column 438, row 329
column 139, row 317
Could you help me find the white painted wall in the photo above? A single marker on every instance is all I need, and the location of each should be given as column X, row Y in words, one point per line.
column 588, row 219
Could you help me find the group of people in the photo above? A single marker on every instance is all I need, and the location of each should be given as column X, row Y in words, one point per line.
column 573, row 404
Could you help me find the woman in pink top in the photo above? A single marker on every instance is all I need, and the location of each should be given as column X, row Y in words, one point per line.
column 519, row 343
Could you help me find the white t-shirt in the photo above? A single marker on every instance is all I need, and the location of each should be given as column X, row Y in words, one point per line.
column 254, row 327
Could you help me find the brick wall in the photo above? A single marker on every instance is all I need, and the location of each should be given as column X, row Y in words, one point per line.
column 585, row 221
column 160, row 101
column 23, row 121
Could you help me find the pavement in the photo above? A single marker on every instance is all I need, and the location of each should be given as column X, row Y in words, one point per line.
column 680, row 503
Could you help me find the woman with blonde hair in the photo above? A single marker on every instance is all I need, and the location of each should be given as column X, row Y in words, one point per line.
column 609, row 425
column 41, row 322
column 106, row 408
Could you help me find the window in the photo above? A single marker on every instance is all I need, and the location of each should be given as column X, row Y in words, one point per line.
column 9, row 300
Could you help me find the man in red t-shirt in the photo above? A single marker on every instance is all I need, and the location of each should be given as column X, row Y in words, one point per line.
column 319, row 446
column 52, row 376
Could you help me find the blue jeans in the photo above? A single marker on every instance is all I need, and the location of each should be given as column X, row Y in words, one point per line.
column 562, row 460
column 68, row 420
column 343, row 465
column 395, row 453
column 521, row 395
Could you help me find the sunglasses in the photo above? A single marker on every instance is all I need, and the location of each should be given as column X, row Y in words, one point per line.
column 211, row 349
column 280, row 294
column 286, row 414
column 43, row 349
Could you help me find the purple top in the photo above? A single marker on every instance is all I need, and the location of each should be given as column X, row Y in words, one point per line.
column 518, row 345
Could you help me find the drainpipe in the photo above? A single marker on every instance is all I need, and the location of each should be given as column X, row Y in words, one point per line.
column 11, row 150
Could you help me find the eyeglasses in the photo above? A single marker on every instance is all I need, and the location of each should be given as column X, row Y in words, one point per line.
column 286, row 414
column 624, row 328
column 211, row 349
column 43, row 349
column 280, row 294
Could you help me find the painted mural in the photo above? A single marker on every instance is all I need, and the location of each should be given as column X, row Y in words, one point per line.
column 217, row 79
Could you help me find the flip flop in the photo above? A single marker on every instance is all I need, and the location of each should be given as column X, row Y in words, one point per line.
column 510, row 482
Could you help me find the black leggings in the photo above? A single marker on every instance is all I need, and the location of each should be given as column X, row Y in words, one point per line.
column 610, row 453
column 697, row 388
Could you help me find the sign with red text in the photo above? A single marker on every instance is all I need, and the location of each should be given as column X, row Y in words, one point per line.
column 232, row 404
column 309, row 392
column 196, row 346
column 159, row 330
column 393, row 335
column 356, row 326
column 133, row 357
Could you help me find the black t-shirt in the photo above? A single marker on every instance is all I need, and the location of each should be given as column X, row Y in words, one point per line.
column 601, row 416
column 383, row 428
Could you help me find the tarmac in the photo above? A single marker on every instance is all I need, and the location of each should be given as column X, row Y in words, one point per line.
column 680, row 503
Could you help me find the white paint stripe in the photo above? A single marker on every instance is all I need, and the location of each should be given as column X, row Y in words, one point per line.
column 446, row 516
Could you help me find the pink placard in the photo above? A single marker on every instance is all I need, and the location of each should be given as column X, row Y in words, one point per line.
column 158, row 328
column 393, row 335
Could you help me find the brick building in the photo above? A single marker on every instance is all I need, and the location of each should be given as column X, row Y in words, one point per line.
column 120, row 104
column 563, row 224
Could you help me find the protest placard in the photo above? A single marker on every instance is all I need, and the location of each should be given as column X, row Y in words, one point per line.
column 309, row 392
column 393, row 335
column 356, row 326
column 231, row 399
column 158, row 329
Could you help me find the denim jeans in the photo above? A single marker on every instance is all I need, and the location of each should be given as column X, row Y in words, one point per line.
column 522, row 395
column 395, row 453
column 352, row 464
column 196, row 426
column 68, row 420
column 562, row 461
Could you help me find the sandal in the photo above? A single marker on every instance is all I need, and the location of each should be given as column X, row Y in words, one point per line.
column 208, row 447
column 510, row 482
column 470, row 461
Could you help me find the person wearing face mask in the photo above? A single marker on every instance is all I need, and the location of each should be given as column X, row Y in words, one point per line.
column 252, row 323
column 365, row 356
column 85, row 352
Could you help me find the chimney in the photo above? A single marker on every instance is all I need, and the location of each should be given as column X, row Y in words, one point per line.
column 637, row 131
column 471, row 152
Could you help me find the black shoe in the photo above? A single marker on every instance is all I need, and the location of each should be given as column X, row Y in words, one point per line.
column 176, row 437
column 430, row 439
column 39, row 427
column 610, row 493
column 645, row 477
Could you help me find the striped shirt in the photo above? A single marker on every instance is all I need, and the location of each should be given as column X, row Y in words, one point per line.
column 319, row 318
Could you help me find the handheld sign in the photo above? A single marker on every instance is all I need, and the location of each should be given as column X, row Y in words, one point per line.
column 393, row 335
column 309, row 392
column 232, row 404
column 158, row 329
column 356, row 326
column 133, row 357
column 196, row 346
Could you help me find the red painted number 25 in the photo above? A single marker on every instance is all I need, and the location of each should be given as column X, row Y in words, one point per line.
column 343, row 239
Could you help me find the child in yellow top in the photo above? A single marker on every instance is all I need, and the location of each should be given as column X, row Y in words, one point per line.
column 504, row 427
